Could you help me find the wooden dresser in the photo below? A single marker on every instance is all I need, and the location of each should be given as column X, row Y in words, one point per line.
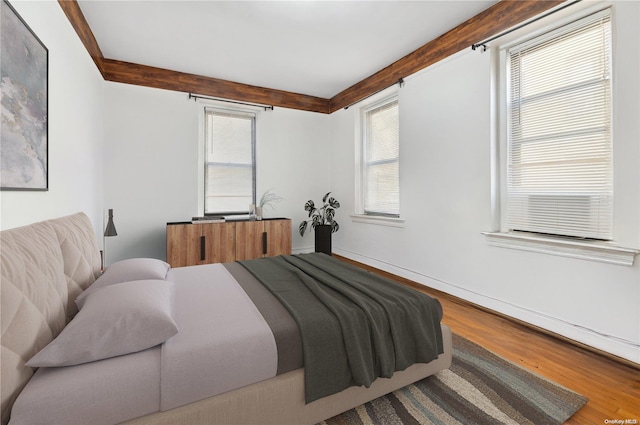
column 204, row 243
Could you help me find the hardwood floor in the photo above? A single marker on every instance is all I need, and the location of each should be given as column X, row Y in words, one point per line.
column 613, row 388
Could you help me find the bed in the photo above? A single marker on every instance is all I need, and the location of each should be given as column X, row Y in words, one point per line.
column 50, row 268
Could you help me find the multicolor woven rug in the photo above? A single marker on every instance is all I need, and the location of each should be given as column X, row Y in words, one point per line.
column 479, row 388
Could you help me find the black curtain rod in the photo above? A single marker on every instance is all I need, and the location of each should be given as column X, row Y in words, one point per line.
column 400, row 83
column 197, row 96
column 483, row 43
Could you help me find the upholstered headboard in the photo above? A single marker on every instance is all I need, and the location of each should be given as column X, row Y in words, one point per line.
column 43, row 268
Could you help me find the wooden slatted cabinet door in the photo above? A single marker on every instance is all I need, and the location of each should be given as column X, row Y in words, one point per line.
column 220, row 242
column 249, row 239
column 183, row 244
column 278, row 237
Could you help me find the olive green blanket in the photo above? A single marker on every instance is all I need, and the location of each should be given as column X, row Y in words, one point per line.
column 356, row 326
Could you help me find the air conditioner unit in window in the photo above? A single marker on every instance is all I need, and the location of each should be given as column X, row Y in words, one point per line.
column 565, row 214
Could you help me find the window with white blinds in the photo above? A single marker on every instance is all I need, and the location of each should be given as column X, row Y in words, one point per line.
column 229, row 161
column 381, row 161
column 559, row 148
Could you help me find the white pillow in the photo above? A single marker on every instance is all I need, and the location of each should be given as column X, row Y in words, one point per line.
column 126, row 271
column 119, row 319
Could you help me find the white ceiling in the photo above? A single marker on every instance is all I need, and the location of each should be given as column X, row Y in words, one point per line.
column 316, row 48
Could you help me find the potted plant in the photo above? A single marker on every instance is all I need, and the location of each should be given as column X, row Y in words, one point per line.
column 322, row 222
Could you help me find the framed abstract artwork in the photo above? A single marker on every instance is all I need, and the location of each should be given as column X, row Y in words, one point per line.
column 24, row 102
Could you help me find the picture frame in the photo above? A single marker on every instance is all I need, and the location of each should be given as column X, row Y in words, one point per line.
column 24, row 88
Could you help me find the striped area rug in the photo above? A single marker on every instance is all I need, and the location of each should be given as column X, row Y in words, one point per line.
column 479, row 388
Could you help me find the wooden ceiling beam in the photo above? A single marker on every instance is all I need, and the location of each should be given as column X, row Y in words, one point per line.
column 143, row 75
column 497, row 18
column 80, row 24
column 131, row 73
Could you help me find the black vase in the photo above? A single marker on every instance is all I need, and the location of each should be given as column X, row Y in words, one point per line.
column 323, row 238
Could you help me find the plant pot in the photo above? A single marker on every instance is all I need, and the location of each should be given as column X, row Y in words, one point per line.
column 323, row 238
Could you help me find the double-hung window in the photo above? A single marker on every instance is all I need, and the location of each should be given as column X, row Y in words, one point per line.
column 559, row 148
column 380, row 179
column 230, row 170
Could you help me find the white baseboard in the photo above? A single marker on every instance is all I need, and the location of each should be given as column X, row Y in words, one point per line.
column 590, row 337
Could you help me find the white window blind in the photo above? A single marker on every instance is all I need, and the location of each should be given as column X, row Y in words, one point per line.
column 381, row 148
column 559, row 174
column 230, row 161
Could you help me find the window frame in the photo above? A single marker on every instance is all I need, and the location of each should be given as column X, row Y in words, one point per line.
column 610, row 252
column 253, row 115
column 378, row 217
column 568, row 197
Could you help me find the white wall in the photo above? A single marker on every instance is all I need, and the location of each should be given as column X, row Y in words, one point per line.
column 151, row 164
column 445, row 178
column 75, row 126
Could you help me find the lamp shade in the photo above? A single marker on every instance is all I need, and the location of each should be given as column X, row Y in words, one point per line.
column 111, row 228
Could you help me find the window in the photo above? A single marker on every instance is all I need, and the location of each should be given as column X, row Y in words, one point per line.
column 559, row 148
column 230, row 169
column 380, row 180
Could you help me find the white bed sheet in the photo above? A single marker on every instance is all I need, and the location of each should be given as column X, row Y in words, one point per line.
column 223, row 343
column 99, row 393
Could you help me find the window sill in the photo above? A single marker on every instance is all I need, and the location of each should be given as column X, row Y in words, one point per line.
column 378, row 220
column 606, row 252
